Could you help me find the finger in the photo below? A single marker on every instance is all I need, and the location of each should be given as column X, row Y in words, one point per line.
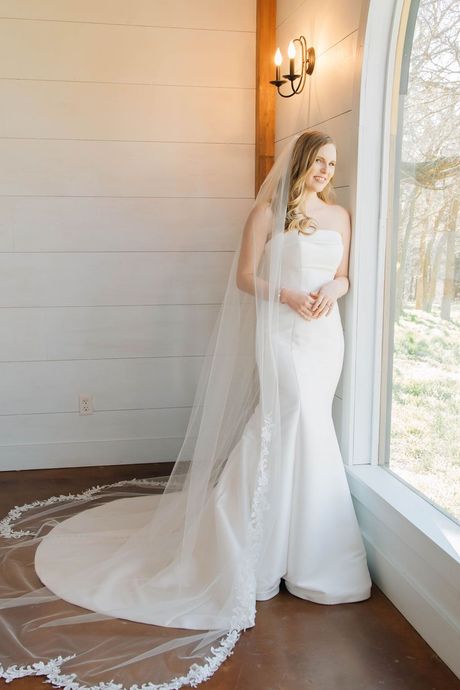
column 327, row 301
column 319, row 303
column 320, row 311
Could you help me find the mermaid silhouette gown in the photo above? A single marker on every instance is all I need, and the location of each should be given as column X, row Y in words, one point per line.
column 311, row 537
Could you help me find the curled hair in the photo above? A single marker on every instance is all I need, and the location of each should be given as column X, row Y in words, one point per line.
column 303, row 157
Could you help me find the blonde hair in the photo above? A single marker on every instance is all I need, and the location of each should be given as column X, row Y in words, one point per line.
column 303, row 156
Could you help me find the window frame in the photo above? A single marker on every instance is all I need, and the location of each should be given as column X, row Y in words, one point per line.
column 381, row 42
column 413, row 549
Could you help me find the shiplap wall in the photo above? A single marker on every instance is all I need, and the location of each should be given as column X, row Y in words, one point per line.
column 127, row 149
column 329, row 103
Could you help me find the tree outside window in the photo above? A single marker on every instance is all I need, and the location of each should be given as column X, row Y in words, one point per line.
column 422, row 439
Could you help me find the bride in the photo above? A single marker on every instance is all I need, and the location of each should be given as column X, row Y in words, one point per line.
column 151, row 583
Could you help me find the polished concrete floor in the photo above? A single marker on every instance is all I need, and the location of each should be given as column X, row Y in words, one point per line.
column 295, row 644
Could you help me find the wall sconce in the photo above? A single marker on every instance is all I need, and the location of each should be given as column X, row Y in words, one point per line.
column 307, row 67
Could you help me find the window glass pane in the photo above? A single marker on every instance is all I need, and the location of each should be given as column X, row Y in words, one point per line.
column 422, row 437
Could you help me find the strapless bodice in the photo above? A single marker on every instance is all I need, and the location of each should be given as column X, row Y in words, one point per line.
column 308, row 261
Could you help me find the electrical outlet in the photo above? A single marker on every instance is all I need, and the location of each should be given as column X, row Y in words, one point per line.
column 86, row 404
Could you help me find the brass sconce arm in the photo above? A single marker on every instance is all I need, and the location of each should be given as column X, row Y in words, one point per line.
column 307, row 67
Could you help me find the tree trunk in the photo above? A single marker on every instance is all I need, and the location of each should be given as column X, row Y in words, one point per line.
column 438, row 250
column 401, row 264
column 421, row 260
column 448, row 294
column 431, row 264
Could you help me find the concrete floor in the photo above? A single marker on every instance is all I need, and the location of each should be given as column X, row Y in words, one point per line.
column 295, row 644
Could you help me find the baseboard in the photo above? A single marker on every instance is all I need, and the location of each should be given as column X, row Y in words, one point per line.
column 420, row 579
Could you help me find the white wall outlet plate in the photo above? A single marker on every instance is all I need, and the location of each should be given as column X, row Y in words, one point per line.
column 86, row 404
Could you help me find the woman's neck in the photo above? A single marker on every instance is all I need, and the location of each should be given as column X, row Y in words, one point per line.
column 311, row 202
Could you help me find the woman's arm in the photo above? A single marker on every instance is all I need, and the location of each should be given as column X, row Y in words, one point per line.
column 341, row 275
column 258, row 226
column 256, row 230
column 331, row 291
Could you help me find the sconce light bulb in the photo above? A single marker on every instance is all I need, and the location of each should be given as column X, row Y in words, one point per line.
column 278, row 57
column 291, row 50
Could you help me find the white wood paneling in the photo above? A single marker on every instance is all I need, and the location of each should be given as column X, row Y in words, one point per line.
column 135, row 112
column 131, row 54
column 237, row 15
column 343, row 196
column 84, row 453
column 331, row 86
column 285, row 8
column 322, row 23
column 330, row 29
column 126, row 168
column 37, row 429
column 133, row 278
column 127, row 146
column 22, row 335
column 115, row 384
column 105, row 332
column 63, row 224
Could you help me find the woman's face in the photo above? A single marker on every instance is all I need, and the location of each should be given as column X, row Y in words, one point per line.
column 323, row 168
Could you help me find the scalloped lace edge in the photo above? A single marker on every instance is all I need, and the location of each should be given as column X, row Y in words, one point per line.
column 52, row 670
column 244, row 611
column 6, row 524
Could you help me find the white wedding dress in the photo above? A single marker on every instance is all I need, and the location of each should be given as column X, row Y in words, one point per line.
column 101, row 558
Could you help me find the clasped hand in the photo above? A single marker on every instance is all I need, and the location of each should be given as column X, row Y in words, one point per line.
column 314, row 304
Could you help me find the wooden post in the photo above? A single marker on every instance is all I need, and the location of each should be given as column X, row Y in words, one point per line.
column 265, row 92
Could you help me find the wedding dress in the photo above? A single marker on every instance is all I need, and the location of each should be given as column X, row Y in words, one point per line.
column 278, row 507
column 312, row 540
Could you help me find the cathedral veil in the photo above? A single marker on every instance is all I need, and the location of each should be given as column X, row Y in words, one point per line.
column 169, row 585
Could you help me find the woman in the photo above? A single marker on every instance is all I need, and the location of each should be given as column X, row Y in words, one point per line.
column 318, row 552
column 258, row 491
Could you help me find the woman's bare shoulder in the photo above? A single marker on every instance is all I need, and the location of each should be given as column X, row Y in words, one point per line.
column 261, row 209
column 342, row 218
column 261, row 216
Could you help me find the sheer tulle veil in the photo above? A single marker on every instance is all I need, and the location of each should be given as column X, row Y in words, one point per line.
column 192, row 585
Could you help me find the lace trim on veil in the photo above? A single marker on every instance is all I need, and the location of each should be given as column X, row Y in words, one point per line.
column 6, row 529
column 244, row 587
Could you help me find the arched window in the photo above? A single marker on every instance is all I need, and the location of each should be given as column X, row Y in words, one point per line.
column 421, row 387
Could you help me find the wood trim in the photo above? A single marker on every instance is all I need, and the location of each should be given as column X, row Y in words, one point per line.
column 265, row 92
